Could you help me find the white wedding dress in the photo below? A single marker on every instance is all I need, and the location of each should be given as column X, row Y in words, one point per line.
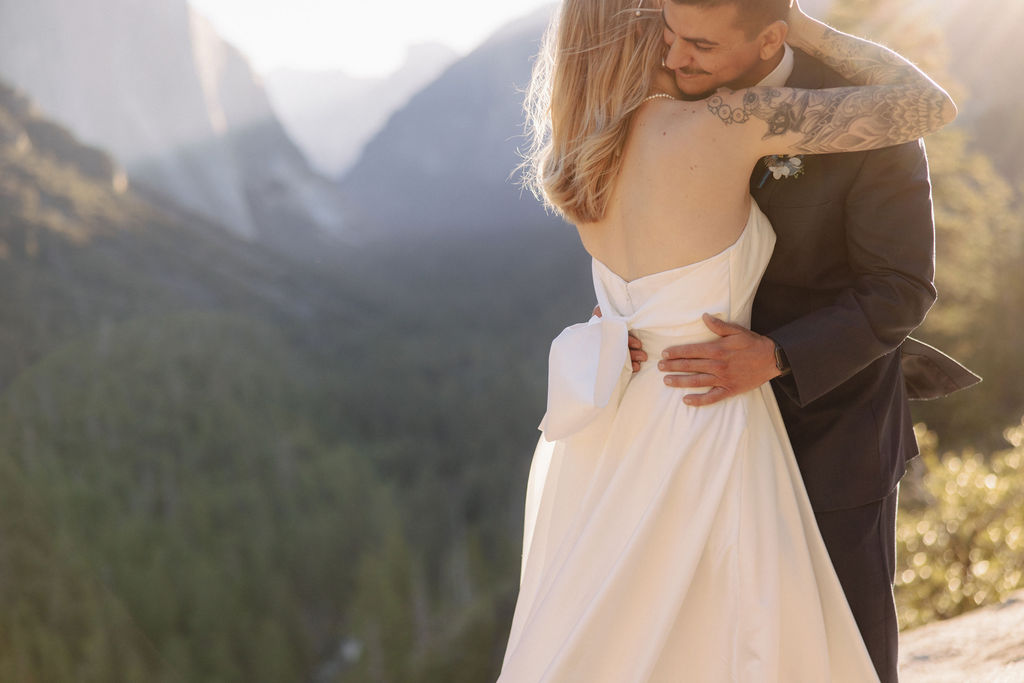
column 665, row 542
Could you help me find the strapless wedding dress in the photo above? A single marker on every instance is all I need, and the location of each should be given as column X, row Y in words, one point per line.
column 665, row 542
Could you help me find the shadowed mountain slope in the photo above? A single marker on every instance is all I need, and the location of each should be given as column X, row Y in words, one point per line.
column 152, row 83
column 446, row 161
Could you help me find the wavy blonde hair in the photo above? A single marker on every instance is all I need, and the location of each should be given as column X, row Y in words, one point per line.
column 595, row 67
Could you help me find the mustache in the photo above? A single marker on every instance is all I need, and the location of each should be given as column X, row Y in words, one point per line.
column 694, row 72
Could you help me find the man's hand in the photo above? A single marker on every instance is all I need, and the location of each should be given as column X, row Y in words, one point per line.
column 636, row 349
column 738, row 362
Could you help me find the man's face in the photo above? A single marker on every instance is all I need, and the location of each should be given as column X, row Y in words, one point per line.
column 709, row 49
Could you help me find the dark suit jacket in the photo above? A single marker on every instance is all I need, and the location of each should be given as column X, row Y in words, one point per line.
column 850, row 278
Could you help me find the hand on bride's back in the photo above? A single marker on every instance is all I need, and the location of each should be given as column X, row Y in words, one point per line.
column 737, row 362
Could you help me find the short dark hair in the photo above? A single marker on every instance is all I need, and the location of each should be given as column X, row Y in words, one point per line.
column 754, row 14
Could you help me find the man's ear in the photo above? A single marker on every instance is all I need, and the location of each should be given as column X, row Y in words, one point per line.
column 772, row 37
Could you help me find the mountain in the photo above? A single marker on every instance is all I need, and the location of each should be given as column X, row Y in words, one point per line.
column 81, row 246
column 220, row 462
column 331, row 115
column 446, row 161
column 144, row 353
column 152, row 83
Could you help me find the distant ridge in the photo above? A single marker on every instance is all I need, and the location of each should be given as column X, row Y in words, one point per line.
column 331, row 115
column 151, row 82
column 80, row 246
column 445, row 162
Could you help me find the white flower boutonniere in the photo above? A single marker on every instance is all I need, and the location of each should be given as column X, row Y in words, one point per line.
column 782, row 166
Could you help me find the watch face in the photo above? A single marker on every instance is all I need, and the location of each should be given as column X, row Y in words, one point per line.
column 780, row 359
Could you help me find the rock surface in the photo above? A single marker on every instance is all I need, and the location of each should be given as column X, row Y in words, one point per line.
column 983, row 646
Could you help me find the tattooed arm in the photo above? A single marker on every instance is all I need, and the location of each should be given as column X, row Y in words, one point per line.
column 893, row 102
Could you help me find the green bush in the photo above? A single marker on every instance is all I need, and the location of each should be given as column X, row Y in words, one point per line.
column 960, row 532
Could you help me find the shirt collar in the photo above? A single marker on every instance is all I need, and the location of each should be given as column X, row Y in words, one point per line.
column 778, row 77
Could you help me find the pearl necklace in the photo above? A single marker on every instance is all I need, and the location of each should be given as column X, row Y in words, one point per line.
column 657, row 95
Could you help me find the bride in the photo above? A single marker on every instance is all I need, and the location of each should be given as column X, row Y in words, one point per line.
column 662, row 541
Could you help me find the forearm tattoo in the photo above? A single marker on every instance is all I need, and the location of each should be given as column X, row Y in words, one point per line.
column 839, row 119
column 861, row 61
column 904, row 103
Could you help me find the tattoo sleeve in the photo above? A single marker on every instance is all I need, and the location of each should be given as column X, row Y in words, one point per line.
column 861, row 61
column 891, row 102
column 838, row 119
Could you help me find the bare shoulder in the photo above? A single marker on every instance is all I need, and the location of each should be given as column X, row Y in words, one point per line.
column 675, row 127
column 668, row 116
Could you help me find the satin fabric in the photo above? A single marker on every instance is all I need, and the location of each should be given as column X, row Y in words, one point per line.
column 664, row 542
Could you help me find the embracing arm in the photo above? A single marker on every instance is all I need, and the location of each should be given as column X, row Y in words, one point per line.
column 893, row 102
column 890, row 241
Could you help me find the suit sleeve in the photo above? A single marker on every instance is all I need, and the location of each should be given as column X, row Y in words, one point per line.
column 890, row 238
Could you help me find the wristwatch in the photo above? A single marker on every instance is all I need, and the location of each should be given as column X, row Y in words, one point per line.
column 781, row 362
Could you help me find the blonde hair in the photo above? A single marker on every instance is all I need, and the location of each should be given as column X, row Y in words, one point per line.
column 595, row 67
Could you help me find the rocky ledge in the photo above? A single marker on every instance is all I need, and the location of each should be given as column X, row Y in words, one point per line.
column 983, row 646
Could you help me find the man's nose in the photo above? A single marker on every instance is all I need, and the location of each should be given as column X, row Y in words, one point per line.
column 678, row 56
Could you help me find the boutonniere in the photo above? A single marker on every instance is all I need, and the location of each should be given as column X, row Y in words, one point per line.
column 782, row 166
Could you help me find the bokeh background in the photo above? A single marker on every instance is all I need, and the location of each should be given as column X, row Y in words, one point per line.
column 273, row 341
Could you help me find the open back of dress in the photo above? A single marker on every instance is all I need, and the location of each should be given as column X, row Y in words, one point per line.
column 665, row 542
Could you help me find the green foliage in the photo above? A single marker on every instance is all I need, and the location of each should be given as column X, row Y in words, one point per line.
column 960, row 531
column 978, row 317
column 979, row 229
column 57, row 621
column 200, row 430
column 979, row 234
column 450, row 388
column 172, row 460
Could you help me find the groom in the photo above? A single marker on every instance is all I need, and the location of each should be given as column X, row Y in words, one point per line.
column 850, row 278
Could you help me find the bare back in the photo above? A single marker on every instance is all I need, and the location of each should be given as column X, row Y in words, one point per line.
column 681, row 195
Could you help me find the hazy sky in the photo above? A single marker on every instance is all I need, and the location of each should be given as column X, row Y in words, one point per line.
column 362, row 37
